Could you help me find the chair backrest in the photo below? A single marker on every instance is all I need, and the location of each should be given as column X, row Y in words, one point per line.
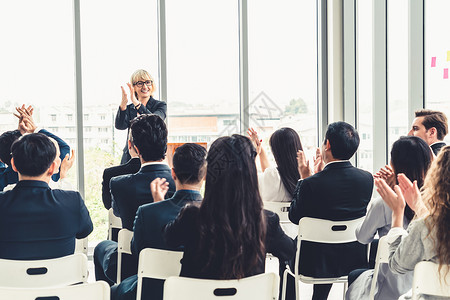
column 382, row 257
column 261, row 287
column 81, row 246
column 49, row 273
column 427, row 280
column 325, row 231
column 123, row 247
column 98, row 290
column 114, row 222
column 280, row 208
column 157, row 264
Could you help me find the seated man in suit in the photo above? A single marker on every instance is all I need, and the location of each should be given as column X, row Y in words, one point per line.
column 432, row 127
column 37, row 222
column 149, row 138
column 338, row 191
column 26, row 125
column 188, row 172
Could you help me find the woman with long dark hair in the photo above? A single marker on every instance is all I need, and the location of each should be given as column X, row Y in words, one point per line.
column 411, row 156
column 427, row 238
column 228, row 236
column 278, row 183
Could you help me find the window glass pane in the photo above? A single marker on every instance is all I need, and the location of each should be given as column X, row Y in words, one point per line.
column 125, row 40
column 397, row 70
column 437, row 57
column 202, row 69
column 364, row 69
column 37, row 66
column 283, row 69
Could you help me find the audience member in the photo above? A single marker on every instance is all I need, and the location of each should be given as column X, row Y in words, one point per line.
column 149, row 138
column 338, row 191
column 142, row 86
column 432, row 127
column 37, row 222
column 411, row 156
column 229, row 234
column 130, row 167
column 426, row 238
column 26, row 125
column 188, row 172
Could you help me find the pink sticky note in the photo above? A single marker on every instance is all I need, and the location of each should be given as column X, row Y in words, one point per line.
column 433, row 61
column 446, row 73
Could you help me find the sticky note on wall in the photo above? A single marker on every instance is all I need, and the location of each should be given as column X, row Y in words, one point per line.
column 448, row 55
column 446, row 73
column 433, row 61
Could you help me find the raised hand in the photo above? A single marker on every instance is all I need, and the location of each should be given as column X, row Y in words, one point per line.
column 386, row 173
column 412, row 195
column 318, row 162
column 132, row 95
column 123, row 104
column 303, row 165
column 253, row 136
column 159, row 188
column 66, row 164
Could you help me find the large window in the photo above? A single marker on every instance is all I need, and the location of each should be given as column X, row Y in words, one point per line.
column 437, row 57
column 202, row 69
column 283, row 69
column 364, row 70
column 125, row 40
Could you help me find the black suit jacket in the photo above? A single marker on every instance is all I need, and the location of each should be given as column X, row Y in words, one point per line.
column 436, row 147
column 339, row 192
column 37, row 222
column 131, row 167
column 133, row 190
column 123, row 118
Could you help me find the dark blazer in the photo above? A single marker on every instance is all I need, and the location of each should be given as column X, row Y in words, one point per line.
column 133, row 190
column 184, row 231
column 123, row 118
column 37, row 222
column 8, row 176
column 436, row 147
column 339, row 192
column 131, row 167
column 151, row 219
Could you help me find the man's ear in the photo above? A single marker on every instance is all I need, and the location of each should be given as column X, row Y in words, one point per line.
column 174, row 176
column 432, row 131
column 327, row 145
column 13, row 166
column 52, row 168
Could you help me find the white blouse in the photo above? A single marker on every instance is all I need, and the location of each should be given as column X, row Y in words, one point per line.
column 271, row 187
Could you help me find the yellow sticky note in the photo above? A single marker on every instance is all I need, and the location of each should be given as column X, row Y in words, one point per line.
column 448, row 55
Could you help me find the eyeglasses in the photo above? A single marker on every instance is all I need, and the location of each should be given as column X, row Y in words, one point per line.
column 141, row 83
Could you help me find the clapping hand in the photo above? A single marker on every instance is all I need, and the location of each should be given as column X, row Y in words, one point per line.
column 394, row 199
column 159, row 188
column 66, row 164
column 253, row 136
column 123, row 104
column 412, row 195
column 25, row 116
column 303, row 165
column 318, row 162
column 387, row 174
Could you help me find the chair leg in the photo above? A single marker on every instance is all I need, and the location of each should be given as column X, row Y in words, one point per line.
column 283, row 289
column 345, row 289
column 297, row 289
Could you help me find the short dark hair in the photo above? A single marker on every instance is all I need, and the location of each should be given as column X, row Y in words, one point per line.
column 149, row 135
column 343, row 138
column 6, row 141
column 33, row 154
column 436, row 119
column 189, row 163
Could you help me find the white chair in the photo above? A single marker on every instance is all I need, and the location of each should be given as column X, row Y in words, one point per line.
column 427, row 280
column 157, row 264
column 49, row 273
column 320, row 231
column 382, row 257
column 81, row 246
column 114, row 222
column 123, row 247
column 99, row 290
column 280, row 208
column 261, row 287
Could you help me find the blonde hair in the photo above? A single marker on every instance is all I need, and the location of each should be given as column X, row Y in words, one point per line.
column 142, row 75
column 436, row 196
